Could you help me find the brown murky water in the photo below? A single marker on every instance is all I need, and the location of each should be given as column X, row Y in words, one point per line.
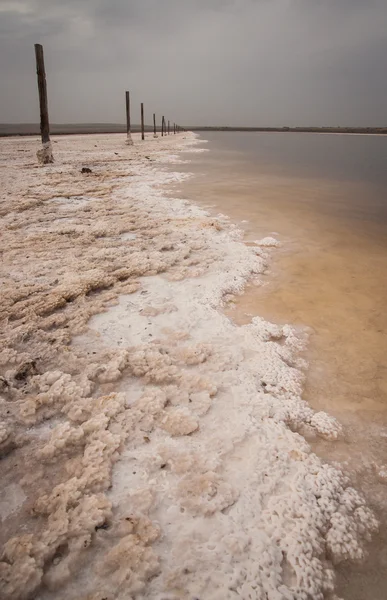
column 329, row 275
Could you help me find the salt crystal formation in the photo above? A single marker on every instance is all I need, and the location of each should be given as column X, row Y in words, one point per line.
column 268, row 242
column 154, row 447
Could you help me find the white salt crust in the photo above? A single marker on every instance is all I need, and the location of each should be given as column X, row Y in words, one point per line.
column 214, row 493
column 268, row 242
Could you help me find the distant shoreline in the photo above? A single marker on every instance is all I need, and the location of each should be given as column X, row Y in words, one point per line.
column 340, row 130
column 30, row 129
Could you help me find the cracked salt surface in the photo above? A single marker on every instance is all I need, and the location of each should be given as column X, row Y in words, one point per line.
column 214, row 493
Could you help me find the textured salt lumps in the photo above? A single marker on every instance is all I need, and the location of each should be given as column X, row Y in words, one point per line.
column 113, row 369
column 194, row 355
column 129, row 564
column 153, row 364
column 152, row 402
column 345, row 529
column 268, row 242
column 326, row 426
column 179, row 422
column 62, row 436
column 20, row 573
column 268, row 331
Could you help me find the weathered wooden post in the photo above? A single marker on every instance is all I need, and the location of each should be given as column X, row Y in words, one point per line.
column 129, row 140
column 45, row 153
column 174, row 129
column 142, row 122
column 162, row 127
column 168, row 127
column 154, row 126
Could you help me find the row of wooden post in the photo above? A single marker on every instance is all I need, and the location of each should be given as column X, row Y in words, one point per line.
column 45, row 154
column 165, row 130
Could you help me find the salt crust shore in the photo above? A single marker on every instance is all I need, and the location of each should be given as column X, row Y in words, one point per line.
column 150, row 447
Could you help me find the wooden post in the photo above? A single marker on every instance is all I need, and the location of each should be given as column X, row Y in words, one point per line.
column 174, row 128
column 129, row 140
column 162, row 127
column 45, row 154
column 168, row 127
column 142, row 122
column 154, row 126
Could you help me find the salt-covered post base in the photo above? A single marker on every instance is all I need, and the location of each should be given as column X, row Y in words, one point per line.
column 129, row 140
column 45, row 155
column 155, row 135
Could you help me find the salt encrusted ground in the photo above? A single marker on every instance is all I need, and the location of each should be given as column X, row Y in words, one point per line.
column 152, row 450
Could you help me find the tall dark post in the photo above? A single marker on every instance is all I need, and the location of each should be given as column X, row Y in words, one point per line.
column 142, row 122
column 45, row 154
column 129, row 140
column 174, row 128
column 168, row 128
column 154, row 126
column 162, row 127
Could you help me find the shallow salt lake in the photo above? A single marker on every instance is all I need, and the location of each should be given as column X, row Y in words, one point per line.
column 325, row 198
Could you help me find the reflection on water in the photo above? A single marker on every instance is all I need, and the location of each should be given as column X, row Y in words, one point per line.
column 327, row 202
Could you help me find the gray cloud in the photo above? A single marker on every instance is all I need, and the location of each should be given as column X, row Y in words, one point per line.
column 238, row 62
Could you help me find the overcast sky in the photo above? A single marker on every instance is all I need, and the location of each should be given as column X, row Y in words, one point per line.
column 221, row 62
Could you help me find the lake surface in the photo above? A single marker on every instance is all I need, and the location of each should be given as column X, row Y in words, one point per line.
column 353, row 157
column 325, row 198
